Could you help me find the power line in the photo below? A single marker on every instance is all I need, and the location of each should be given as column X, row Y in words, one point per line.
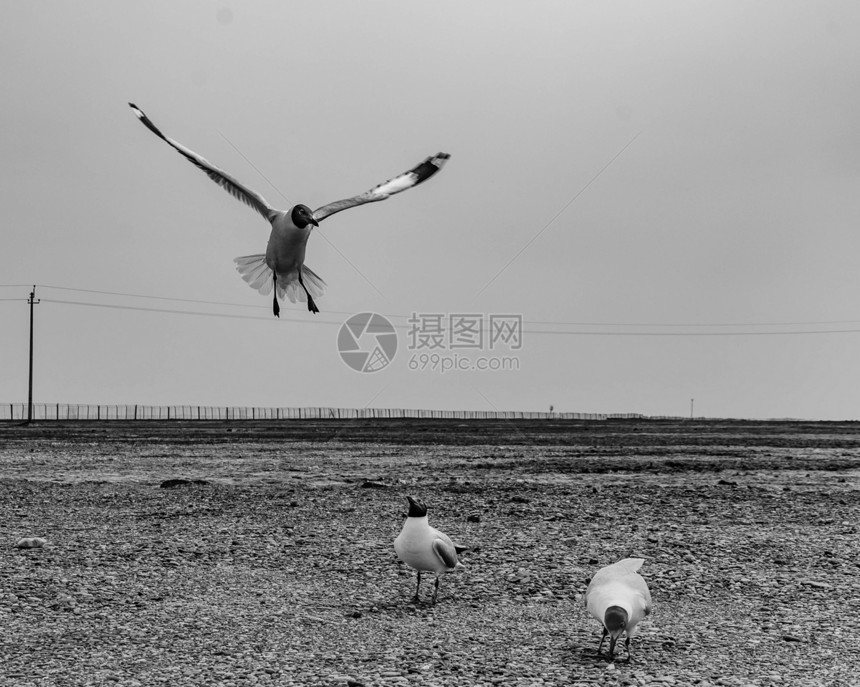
column 775, row 333
column 547, row 323
column 157, row 298
column 690, row 324
column 558, row 214
column 114, row 306
column 537, row 332
column 179, row 300
column 530, row 332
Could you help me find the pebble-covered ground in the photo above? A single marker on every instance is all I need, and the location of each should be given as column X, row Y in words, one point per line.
column 272, row 563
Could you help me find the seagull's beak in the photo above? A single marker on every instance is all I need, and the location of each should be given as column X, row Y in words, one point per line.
column 613, row 638
column 314, row 222
column 612, row 641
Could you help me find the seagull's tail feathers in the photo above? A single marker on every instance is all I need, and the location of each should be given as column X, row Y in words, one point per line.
column 258, row 274
column 294, row 291
column 630, row 564
column 313, row 282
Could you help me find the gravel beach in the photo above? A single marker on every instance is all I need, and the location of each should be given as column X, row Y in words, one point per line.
column 268, row 559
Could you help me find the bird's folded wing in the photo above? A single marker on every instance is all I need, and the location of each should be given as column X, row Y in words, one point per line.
column 220, row 177
column 446, row 552
column 405, row 181
column 646, row 598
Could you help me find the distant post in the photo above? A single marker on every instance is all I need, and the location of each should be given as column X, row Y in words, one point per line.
column 32, row 301
column 691, row 407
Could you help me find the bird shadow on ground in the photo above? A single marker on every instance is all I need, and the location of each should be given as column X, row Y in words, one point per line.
column 398, row 607
column 588, row 656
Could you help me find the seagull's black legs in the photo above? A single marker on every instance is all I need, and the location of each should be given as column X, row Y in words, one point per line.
column 275, row 307
column 435, row 590
column 311, row 305
column 417, row 587
column 602, row 638
column 627, row 646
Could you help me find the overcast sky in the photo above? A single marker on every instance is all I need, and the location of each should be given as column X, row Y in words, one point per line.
column 616, row 167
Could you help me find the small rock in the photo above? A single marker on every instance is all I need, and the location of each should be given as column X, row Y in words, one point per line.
column 179, row 482
column 370, row 484
column 30, row 543
column 817, row 585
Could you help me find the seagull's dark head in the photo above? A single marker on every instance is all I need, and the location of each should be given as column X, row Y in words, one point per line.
column 417, row 508
column 615, row 620
column 302, row 216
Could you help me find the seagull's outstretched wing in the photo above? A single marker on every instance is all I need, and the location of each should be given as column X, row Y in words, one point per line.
column 407, row 180
column 224, row 180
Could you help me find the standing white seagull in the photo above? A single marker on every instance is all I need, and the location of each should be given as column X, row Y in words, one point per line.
column 282, row 267
column 618, row 597
column 425, row 548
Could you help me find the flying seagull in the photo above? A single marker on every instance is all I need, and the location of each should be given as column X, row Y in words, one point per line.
column 618, row 597
column 282, row 267
column 425, row 548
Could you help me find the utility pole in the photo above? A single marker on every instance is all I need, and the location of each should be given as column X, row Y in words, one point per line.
column 691, row 407
column 32, row 301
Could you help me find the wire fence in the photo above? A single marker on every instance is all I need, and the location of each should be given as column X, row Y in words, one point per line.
column 73, row 411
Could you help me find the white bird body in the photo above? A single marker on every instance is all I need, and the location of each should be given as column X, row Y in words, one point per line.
column 425, row 548
column 416, row 545
column 285, row 252
column 285, row 257
column 282, row 267
column 619, row 586
column 282, row 263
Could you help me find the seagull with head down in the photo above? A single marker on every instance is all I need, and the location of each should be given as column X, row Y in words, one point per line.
column 281, row 269
column 619, row 598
